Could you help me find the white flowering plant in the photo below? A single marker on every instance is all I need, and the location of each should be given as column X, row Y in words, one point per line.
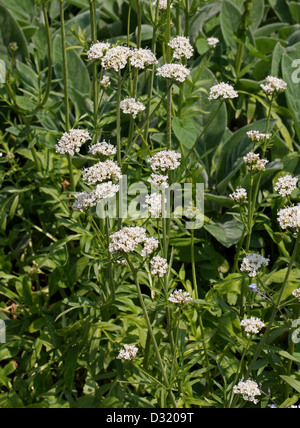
column 150, row 204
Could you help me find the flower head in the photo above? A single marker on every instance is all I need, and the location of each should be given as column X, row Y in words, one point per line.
column 103, row 148
column 128, row 239
column 296, row 293
column 252, row 325
column 254, row 162
column 98, row 50
column 180, row 297
column 285, row 185
column 131, row 106
column 253, row 263
column 159, row 266
column 116, row 58
column 142, row 58
column 274, row 85
column 159, row 180
column 222, row 91
column 102, row 171
column 128, row 353
column 289, row 218
column 177, row 72
column 182, row 47
column 163, row 4
column 154, row 205
column 239, row 195
column 72, row 141
column 258, row 137
column 212, row 42
column 165, row 160
column 248, row 389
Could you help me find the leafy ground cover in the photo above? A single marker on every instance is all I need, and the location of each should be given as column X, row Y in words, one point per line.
column 149, row 312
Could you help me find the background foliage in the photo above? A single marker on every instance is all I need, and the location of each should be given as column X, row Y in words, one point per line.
column 61, row 344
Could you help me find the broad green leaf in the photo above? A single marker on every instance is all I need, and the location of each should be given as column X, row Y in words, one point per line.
column 10, row 31
column 185, row 130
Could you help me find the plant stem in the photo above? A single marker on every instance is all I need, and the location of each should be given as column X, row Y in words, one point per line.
column 66, row 88
column 276, row 309
column 93, row 14
column 118, row 113
column 150, row 330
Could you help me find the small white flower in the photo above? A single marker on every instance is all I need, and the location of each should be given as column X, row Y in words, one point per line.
column 252, row 325
column 84, row 201
column 177, row 72
column 159, row 266
column 150, row 245
column 128, row 353
column 239, row 195
column 102, row 171
column 222, row 91
column 258, row 137
column 158, row 180
column 116, row 58
column 165, row 160
column 98, row 50
column 285, row 185
column 249, row 390
column 254, row 162
column 182, row 47
column 105, row 190
column 142, row 58
column 128, row 240
column 105, row 82
column 296, row 293
column 154, row 205
column 103, row 148
column 72, row 141
column 274, row 85
column 289, row 218
column 253, row 263
column 180, row 297
column 132, row 107
column 212, row 42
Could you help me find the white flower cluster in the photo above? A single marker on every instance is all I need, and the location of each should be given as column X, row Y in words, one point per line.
column 165, row 160
column 252, row 325
column 158, row 180
column 289, row 217
column 159, row 266
column 285, row 185
column 212, row 42
column 239, row 195
column 128, row 353
column 248, row 389
column 254, row 162
column 98, row 50
column 258, row 137
column 222, row 91
column 253, row 263
column 87, row 200
column 132, row 107
column 177, row 72
column 274, row 85
column 163, row 4
column 154, row 205
column 142, row 58
column 103, row 148
column 296, row 293
column 180, row 297
column 128, row 239
column 105, row 82
column 102, row 171
column 116, row 58
column 72, row 141
column 182, row 47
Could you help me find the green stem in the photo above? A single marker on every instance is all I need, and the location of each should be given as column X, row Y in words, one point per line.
column 276, row 309
column 93, row 15
column 150, row 330
column 118, row 113
column 66, row 88
column 194, row 264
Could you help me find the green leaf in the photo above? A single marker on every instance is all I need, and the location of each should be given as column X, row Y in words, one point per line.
column 70, row 367
column 10, row 32
column 185, row 130
column 294, row 383
column 228, row 233
column 230, row 18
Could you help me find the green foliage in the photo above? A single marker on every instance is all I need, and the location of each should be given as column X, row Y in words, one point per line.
column 65, row 324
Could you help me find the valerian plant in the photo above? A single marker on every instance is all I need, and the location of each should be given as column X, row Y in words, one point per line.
column 150, row 217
